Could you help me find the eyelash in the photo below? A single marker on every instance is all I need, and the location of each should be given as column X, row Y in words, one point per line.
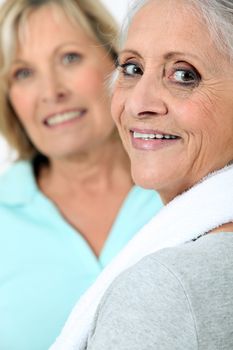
column 185, row 72
column 124, row 66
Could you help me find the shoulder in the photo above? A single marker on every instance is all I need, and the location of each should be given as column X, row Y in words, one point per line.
column 212, row 252
column 186, row 262
column 201, row 267
column 17, row 184
column 184, row 291
column 145, row 308
column 17, row 171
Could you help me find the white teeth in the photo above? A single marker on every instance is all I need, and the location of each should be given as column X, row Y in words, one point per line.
column 138, row 135
column 170, row 136
column 60, row 118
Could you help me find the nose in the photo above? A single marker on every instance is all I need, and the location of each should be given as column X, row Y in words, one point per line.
column 53, row 89
column 146, row 98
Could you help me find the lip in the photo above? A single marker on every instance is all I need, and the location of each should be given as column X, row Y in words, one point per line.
column 151, row 144
column 63, row 117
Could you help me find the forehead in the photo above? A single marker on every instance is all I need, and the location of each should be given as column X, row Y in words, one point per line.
column 170, row 25
column 57, row 25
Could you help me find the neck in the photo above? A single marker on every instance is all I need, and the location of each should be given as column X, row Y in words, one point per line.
column 98, row 169
column 223, row 228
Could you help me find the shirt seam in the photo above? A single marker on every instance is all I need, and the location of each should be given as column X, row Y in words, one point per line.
column 177, row 278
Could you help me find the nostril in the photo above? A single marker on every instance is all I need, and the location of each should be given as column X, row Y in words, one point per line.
column 146, row 113
column 154, row 113
column 61, row 94
column 55, row 96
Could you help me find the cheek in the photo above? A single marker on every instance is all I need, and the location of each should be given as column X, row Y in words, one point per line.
column 195, row 116
column 21, row 102
column 90, row 81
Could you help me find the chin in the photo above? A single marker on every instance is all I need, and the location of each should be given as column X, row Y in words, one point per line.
column 148, row 170
column 143, row 179
column 156, row 178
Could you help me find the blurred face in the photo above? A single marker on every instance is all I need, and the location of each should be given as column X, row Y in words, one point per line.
column 173, row 101
column 57, row 85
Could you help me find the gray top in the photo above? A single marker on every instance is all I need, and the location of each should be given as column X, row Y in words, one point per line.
column 176, row 299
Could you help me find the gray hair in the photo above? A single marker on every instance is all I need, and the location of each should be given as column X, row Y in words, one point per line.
column 217, row 14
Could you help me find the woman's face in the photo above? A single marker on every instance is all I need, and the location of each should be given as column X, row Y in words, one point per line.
column 172, row 101
column 57, row 86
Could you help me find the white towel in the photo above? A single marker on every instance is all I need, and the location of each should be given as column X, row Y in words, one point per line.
column 205, row 206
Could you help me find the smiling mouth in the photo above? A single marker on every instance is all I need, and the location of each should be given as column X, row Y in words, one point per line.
column 153, row 136
column 61, row 118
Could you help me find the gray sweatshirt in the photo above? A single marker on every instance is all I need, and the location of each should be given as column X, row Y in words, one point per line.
column 175, row 299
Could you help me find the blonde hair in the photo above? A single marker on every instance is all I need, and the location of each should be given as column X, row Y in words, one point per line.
column 93, row 18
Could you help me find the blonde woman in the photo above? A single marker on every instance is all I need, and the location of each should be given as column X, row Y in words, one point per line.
column 68, row 205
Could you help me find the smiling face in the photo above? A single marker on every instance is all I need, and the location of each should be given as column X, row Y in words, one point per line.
column 56, row 85
column 172, row 101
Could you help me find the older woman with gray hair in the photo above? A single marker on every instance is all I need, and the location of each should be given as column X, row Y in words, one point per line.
column 173, row 106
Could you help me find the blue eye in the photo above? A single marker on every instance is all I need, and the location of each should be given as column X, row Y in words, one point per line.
column 130, row 69
column 22, row 74
column 71, row 57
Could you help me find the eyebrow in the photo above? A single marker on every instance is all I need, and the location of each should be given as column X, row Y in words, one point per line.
column 167, row 56
column 133, row 52
column 18, row 61
column 174, row 54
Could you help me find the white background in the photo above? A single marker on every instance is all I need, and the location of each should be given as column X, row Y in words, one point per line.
column 118, row 9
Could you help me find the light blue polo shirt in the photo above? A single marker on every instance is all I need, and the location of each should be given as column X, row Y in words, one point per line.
column 45, row 264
